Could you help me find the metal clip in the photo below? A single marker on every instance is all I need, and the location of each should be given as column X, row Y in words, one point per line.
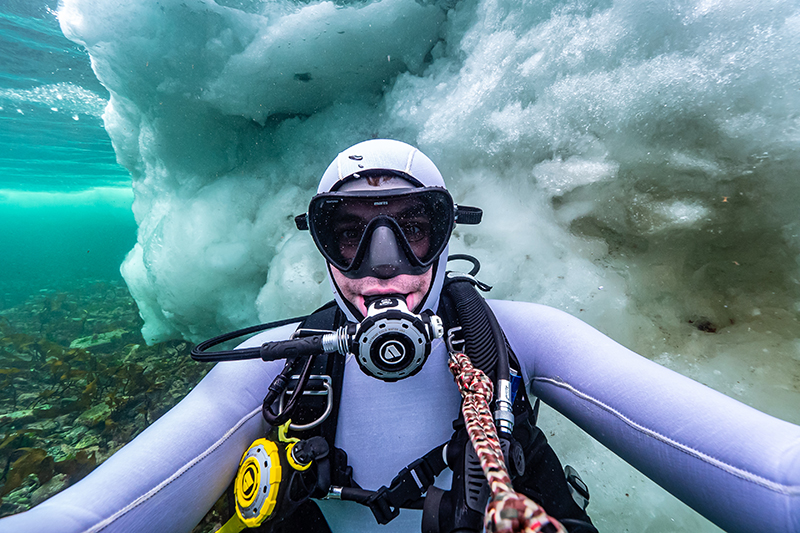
column 452, row 341
column 472, row 279
column 327, row 391
column 305, row 332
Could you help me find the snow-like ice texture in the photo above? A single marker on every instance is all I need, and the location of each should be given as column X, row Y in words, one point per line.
column 637, row 163
column 225, row 116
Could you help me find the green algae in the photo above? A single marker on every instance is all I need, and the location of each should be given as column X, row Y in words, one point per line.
column 97, row 339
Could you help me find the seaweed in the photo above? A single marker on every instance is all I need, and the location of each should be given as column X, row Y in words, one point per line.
column 27, row 461
column 66, row 406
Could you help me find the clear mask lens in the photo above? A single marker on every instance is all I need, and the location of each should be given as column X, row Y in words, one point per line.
column 344, row 226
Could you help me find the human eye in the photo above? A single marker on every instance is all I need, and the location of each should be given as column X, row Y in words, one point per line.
column 349, row 233
column 415, row 230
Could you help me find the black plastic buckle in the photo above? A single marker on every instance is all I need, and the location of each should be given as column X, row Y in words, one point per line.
column 406, row 488
column 577, row 488
column 381, row 508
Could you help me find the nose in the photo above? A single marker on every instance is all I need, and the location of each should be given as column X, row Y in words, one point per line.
column 384, row 253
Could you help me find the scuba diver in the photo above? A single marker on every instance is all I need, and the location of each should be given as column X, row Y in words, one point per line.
column 381, row 423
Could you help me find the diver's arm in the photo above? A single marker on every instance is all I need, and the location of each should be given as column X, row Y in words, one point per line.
column 169, row 476
column 736, row 466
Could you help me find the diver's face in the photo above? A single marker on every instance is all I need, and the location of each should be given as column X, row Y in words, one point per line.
column 355, row 291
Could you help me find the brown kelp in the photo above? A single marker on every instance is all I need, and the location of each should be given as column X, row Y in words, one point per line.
column 77, row 382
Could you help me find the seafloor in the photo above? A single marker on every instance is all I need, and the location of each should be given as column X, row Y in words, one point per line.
column 77, row 382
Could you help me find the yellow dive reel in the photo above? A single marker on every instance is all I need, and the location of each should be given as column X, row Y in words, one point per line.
column 257, row 486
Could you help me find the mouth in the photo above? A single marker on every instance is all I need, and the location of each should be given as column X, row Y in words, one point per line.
column 369, row 296
column 383, row 292
column 355, row 291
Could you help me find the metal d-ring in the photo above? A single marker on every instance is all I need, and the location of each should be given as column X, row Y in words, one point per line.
column 326, row 382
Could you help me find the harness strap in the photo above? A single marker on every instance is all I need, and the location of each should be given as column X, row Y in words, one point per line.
column 327, row 372
column 328, row 317
column 407, row 488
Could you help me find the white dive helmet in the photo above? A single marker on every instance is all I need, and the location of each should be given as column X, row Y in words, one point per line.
column 386, row 154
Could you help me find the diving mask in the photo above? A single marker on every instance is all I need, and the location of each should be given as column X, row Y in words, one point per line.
column 384, row 233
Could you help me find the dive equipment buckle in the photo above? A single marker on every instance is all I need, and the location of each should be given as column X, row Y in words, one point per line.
column 406, row 491
column 454, row 339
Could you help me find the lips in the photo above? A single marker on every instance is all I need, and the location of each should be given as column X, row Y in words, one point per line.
column 362, row 298
column 384, row 292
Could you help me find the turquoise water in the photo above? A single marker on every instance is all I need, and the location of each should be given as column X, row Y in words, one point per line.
column 65, row 203
column 48, row 245
column 65, row 227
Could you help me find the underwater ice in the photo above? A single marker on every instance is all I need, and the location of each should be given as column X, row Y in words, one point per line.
column 637, row 163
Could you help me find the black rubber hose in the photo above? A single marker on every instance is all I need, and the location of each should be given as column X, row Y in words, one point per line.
column 291, row 348
column 503, row 371
column 278, row 386
column 477, row 329
column 352, row 494
column 485, row 342
column 200, row 352
column 476, row 265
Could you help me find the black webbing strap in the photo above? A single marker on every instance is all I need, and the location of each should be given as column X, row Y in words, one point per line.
column 307, row 517
column 406, row 490
column 330, row 317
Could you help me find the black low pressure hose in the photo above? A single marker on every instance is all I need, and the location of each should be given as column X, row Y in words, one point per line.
column 200, row 352
column 278, row 386
column 298, row 352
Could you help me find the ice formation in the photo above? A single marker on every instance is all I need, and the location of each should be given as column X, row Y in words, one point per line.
column 636, row 162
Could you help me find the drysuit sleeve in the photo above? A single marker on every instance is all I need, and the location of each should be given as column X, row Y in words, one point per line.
column 737, row 466
column 168, row 477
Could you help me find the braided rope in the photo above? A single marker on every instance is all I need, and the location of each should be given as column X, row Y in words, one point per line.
column 507, row 510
